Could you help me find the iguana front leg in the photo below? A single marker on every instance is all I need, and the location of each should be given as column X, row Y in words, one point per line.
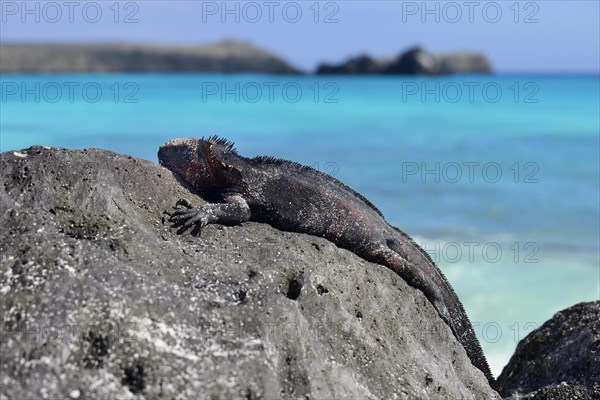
column 234, row 211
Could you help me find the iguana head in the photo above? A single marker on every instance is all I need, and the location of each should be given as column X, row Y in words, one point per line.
column 206, row 164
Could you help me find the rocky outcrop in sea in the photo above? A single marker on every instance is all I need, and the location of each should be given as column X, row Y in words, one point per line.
column 558, row 361
column 415, row 61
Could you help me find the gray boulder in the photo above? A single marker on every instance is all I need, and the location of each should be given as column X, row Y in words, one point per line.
column 102, row 300
column 558, row 361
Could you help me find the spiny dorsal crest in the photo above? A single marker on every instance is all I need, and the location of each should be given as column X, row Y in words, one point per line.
column 283, row 162
column 219, row 141
column 306, row 168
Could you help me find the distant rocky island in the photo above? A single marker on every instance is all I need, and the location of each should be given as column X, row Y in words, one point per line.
column 226, row 56
column 415, row 61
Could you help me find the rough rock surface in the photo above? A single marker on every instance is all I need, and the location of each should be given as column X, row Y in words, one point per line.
column 558, row 361
column 225, row 56
column 102, row 300
column 415, row 61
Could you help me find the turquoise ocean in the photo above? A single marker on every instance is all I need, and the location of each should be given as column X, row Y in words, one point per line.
column 498, row 177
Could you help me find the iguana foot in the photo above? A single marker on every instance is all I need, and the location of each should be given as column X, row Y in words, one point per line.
column 186, row 216
column 233, row 212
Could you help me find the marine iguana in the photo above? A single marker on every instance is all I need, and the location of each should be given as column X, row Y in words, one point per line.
column 297, row 198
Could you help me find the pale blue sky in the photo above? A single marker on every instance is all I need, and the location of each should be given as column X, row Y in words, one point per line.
column 527, row 36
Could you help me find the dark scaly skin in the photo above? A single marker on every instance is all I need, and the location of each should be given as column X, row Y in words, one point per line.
column 292, row 197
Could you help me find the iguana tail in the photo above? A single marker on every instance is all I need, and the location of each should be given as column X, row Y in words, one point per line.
column 403, row 256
